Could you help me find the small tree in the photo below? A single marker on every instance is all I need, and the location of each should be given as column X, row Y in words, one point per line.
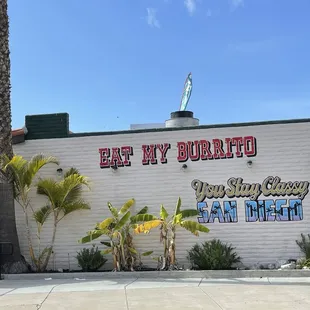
column 40, row 216
column 22, row 174
column 64, row 197
column 168, row 225
column 118, row 229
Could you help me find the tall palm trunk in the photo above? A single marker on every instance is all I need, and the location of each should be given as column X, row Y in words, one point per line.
column 31, row 253
column 165, row 239
column 8, row 233
column 172, row 247
column 50, row 251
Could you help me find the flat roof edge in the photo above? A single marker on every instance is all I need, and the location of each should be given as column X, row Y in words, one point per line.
column 259, row 123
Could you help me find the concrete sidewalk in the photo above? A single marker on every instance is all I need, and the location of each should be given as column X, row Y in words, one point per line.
column 163, row 293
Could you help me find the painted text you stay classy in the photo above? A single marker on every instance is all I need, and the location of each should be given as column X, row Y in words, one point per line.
column 271, row 186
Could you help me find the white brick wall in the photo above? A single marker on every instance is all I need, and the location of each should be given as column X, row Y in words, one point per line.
column 282, row 150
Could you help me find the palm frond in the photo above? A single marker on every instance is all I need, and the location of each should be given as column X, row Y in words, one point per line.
column 22, row 172
column 142, row 218
column 163, row 212
column 147, row 226
column 35, row 164
column 75, row 206
column 127, row 205
column 134, row 226
column 113, row 210
column 17, row 161
column 49, row 188
column 72, row 187
column 178, row 206
column 42, row 214
column 122, row 221
column 15, row 169
column 108, row 244
column 71, row 171
column 147, row 253
column 177, row 218
column 132, row 250
column 106, row 251
column 64, row 195
column 194, row 227
column 106, row 223
column 92, row 235
column 189, row 213
column 143, row 210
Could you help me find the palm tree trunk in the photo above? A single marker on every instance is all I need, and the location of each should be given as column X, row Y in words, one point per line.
column 8, row 232
column 28, row 234
column 50, row 251
column 116, row 258
column 165, row 260
column 5, row 85
column 39, row 259
column 122, row 252
column 172, row 248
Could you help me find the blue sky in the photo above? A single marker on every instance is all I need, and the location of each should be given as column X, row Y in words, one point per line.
column 112, row 63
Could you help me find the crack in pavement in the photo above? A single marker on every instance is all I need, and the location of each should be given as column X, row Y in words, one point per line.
column 125, row 287
column 212, row 298
column 49, row 293
column 13, row 289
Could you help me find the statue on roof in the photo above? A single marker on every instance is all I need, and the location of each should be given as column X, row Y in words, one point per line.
column 187, row 91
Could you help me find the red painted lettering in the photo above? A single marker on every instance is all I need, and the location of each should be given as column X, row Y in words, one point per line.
column 193, row 150
column 126, row 151
column 149, row 154
column 163, row 148
column 238, row 141
column 229, row 153
column 205, row 150
column 249, row 146
column 218, row 149
column 116, row 157
column 182, row 152
column 104, row 155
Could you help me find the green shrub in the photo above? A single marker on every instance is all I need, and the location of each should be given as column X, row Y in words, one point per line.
column 307, row 263
column 90, row 259
column 304, row 245
column 303, row 263
column 213, row 255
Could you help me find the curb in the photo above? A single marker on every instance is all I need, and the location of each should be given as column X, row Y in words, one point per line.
column 208, row 274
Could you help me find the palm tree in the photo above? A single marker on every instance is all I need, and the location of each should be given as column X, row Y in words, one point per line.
column 8, row 233
column 22, row 173
column 64, row 197
column 168, row 226
column 117, row 228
